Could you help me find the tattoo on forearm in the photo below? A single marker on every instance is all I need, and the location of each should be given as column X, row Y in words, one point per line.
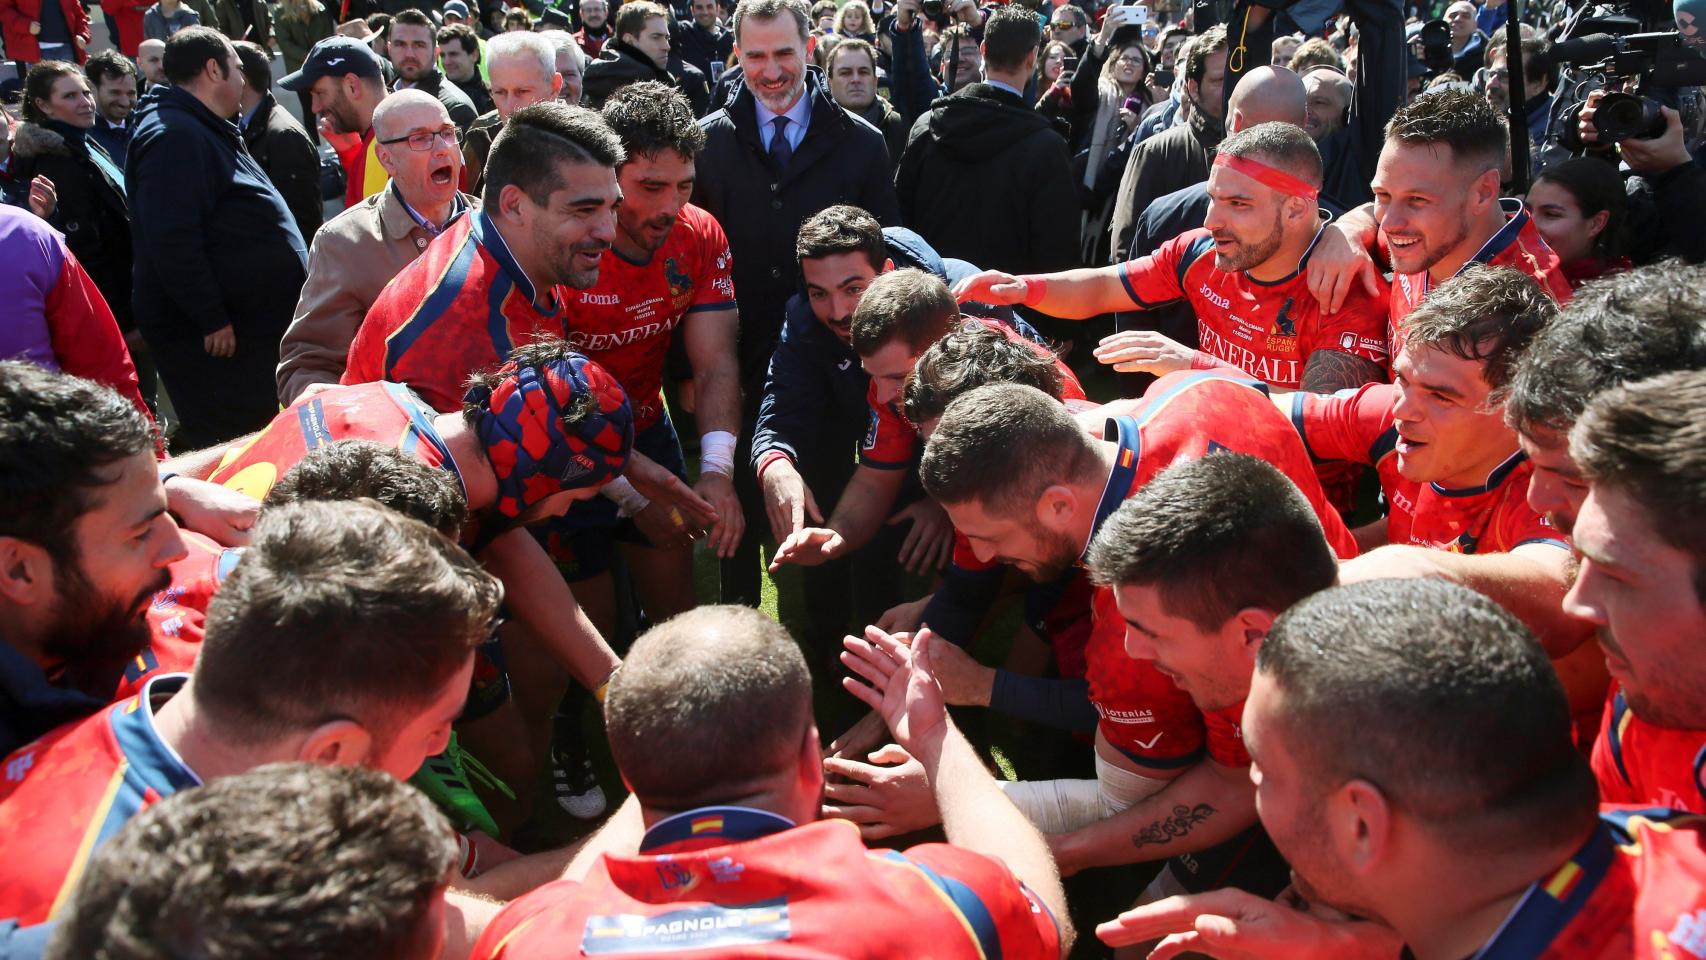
column 1331, row 370
column 1171, row 828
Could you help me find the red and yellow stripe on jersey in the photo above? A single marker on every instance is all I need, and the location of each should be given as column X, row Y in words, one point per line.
column 756, row 885
column 386, row 413
column 1517, row 245
column 462, row 306
column 64, row 795
column 1635, row 891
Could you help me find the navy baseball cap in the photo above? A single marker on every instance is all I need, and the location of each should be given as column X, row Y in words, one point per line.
column 335, row 56
column 456, row 7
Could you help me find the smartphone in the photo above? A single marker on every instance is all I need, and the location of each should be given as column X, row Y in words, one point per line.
column 1069, row 66
column 1163, row 78
column 1141, row 12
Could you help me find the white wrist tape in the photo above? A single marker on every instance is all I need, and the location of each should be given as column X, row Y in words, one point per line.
column 628, row 500
column 717, row 453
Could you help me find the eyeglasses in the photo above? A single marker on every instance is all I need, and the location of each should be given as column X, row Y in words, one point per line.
column 1064, row 25
column 422, row 140
column 1129, row 61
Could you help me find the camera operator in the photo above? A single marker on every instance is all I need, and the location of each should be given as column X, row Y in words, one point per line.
column 1667, row 194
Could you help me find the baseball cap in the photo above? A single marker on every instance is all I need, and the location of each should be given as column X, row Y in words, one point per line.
column 556, row 18
column 335, row 56
column 456, row 7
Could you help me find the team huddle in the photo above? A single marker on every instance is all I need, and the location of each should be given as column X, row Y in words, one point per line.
column 1371, row 612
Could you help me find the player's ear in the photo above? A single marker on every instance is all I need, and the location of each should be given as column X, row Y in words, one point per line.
column 1359, row 817
column 1251, row 625
column 811, row 762
column 26, row 573
column 337, row 743
column 1057, row 506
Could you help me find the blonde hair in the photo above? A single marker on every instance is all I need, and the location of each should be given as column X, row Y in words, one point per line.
column 854, row 6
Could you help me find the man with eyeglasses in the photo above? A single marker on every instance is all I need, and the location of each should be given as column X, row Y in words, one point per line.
column 357, row 252
column 1070, row 25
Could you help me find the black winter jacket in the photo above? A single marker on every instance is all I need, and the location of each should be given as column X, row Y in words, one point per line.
column 282, row 148
column 987, row 179
column 91, row 210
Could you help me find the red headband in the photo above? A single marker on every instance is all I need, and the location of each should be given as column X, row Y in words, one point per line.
column 1271, row 176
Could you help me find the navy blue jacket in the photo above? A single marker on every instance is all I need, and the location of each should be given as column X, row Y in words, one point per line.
column 814, row 407
column 214, row 243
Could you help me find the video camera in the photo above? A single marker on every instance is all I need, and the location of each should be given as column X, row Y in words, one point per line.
column 1615, row 49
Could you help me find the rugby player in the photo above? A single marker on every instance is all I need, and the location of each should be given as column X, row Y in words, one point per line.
column 1624, row 328
column 710, row 722
column 1436, row 211
column 1254, row 312
column 899, row 315
column 278, row 679
column 1453, row 477
column 1641, row 542
column 668, row 270
column 1430, row 727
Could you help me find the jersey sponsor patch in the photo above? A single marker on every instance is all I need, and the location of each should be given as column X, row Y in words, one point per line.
column 692, row 928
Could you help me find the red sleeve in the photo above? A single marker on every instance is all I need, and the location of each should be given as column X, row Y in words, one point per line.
column 501, row 932
column 1518, row 523
column 1348, row 425
column 1008, row 919
column 890, row 440
column 1359, row 328
column 714, row 288
column 78, row 19
column 1159, row 278
column 85, row 337
column 965, row 558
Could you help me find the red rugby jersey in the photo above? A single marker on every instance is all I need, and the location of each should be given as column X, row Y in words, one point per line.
column 625, row 321
column 69, row 792
column 1184, row 415
column 1637, row 762
column 736, row 882
column 1636, row 889
column 1266, row 329
column 386, row 413
column 1518, row 245
column 891, row 440
column 178, row 615
column 1358, row 426
column 462, row 306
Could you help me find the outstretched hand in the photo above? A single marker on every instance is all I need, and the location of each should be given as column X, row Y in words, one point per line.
column 898, row 683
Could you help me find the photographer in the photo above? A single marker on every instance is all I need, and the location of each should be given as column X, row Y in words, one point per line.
column 1667, row 195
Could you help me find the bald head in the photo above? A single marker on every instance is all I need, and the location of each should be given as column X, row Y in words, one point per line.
column 1329, row 97
column 1267, row 95
column 150, row 57
column 407, row 110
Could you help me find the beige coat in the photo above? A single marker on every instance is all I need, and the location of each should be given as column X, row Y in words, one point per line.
column 353, row 257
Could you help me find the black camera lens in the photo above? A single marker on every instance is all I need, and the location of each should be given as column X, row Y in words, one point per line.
column 933, row 8
column 1623, row 116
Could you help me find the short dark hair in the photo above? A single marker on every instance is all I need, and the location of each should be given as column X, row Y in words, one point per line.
column 1010, row 35
column 356, row 469
column 59, row 435
column 631, row 17
column 1393, row 681
column 1597, row 187
column 188, row 51
column 279, row 654
column 1460, row 119
column 1001, row 446
column 38, row 85
column 256, row 65
column 379, row 23
column 1645, row 439
column 459, row 35
column 539, row 353
column 415, row 18
column 911, row 304
column 107, row 65
column 972, row 355
column 1618, row 329
column 518, row 16
column 771, row 10
column 327, row 862
column 1486, row 314
column 706, row 704
column 1535, row 51
column 1205, row 534
column 1282, row 145
column 854, row 45
column 537, row 140
column 842, row 229
column 650, row 116
column 1200, row 48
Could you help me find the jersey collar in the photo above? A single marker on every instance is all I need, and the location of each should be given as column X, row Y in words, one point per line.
column 1552, row 902
column 422, row 429
column 1499, row 242
column 1495, row 477
column 1301, row 261
column 151, row 758
column 486, row 235
column 1125, row 431
column 719, row 824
